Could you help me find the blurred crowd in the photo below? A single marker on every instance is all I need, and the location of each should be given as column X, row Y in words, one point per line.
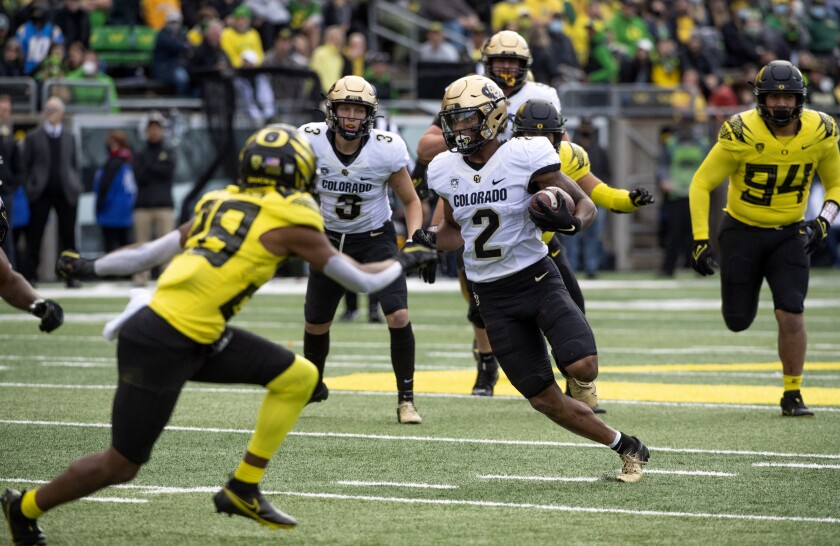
column 711, row 46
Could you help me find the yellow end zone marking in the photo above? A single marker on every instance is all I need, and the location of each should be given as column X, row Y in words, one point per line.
column 461, row 381
column 739, row 367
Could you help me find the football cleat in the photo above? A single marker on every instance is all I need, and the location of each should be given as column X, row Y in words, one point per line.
column 252, row 506
column 584, row 392
column 793, row 405
column 24, row 531
column 320, row 393
column 633, row 457
column 407, row 414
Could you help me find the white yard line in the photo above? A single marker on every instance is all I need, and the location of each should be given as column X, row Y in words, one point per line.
column 480, row 441
column 495, row 504
column 537, row 478
column 396, row 484
column 801, row 465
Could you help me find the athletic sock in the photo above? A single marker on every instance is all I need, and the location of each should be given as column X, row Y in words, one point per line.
column 248, row 473
column 792, row 382
column 487, row 362
column 622, row 443
column 28, row 507
column 402, row 360
column 316, row 347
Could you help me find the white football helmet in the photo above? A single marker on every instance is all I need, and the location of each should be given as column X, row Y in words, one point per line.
column 479, row 101
column 355, row 90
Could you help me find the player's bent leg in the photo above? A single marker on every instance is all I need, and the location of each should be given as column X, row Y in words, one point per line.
column 581, row 381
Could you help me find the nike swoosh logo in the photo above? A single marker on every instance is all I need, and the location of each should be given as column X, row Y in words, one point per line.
column 376, row 233
column 806, row 146
column 494, row 182
column 555, row 253
column 540, row 277
column 571, row 229
column 253, row 506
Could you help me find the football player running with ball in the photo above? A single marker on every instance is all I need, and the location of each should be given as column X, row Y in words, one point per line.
column 487, row 188
column 356, row 165
column 219, row 259
column 770, row 155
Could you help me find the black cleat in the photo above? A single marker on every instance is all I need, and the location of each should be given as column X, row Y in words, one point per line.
column 320, row 393
column 598, row 409
column 252, row 506
column 485, row 382
column 793, row 405
column 24, row 531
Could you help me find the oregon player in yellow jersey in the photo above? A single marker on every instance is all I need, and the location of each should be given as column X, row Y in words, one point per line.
column 538, row 117
column 770, row 155
column 233, row 245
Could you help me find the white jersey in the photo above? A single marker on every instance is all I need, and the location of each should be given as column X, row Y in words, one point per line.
column 530, row 90
column 354, row 197
column 491, row 205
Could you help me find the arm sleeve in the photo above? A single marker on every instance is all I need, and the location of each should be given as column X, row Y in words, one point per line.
column 139, row 258
column 615, row 199
column 340, row 270
column 717, row 166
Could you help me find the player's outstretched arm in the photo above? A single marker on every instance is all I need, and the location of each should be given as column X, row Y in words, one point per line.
column 15, row 290
column 123, row 261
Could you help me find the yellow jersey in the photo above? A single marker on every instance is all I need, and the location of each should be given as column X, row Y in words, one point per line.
column 223, row 262
column 769, row 176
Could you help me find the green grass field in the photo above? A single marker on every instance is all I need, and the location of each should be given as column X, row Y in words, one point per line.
column 725, row 467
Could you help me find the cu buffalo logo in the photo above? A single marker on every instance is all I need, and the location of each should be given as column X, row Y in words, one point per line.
column 489, row 92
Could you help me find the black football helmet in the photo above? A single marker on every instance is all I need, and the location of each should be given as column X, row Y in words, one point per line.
column 277, row 157
column 539, row 116
column 4, row 222
column 779, row 77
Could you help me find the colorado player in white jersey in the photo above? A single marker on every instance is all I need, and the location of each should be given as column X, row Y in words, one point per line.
column 487, row 187
column 356, row 165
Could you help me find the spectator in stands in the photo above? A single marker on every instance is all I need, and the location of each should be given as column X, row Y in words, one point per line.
column 355, row 53
column 378, row 74
column 338, row 12
column 282, row 53
column 327, row 60
column 241, row 37
column 268, row 16
column 697, row 56
column 154, row 172
column 90, row 71
column 195, row 35
column 74, row 22
column 660, row 25
column 9, row 169
column 455, row 15
column 741, row 38
column 436, row 49
column 784, row 32
column 562, row 51
column 52, row 181
column 36, row 35
column 477, row 39
column 307, row 20
column 823, row 29
column 639, row 67
column 4, row 29
column 822, row 94
column 665, row 64
column 53, row 65
column 11, row 65
column 169, row 57
column 209, row 56
column 628, row 27
column 302, row 52
column 116, row 192
column 603, row 66
column 75, row 57
column 506, row 13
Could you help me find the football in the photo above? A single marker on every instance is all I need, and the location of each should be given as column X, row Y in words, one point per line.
column 548, row 196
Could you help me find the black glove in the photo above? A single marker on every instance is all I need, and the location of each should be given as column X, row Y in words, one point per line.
column 418, row 178
column 50, row 313
column 641, row 197
column 71, row 265
column 702, row 259
column 817, row 231
column 555, row 220
column 414, row 256
column 429, row 239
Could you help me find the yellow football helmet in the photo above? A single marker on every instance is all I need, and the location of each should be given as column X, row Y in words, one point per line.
column 356, row 90
column 476, row 100
column 277, row 157
column 507, row 44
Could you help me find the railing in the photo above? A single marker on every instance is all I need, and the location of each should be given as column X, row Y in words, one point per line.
column 23, row 92
column 79, row 95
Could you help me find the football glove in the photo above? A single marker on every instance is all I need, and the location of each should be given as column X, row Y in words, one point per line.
column 555, row 220
column 418, row 178
column 4, row 222
column 702, row 259
column 429, row 239
column 817, row 232
column 50, row 313
column 641, row 197
column 71, row 265
column 414, row 256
